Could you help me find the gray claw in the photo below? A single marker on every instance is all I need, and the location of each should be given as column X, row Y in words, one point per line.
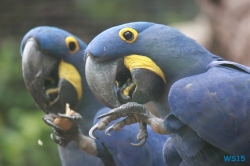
column 104, row 115
column 76, row 117
column 91, row 131
column 52, row 136
column 142, row 142
column 51, row 124
column 110, row 128
column 58, row 141
column 48, row 122
column 64, row 116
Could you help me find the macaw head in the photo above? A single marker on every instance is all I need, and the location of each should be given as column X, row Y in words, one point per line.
column 137, row 61
column 52, row 70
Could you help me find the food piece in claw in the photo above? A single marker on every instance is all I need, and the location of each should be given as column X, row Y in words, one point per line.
column 65, row 123
column 65, row 126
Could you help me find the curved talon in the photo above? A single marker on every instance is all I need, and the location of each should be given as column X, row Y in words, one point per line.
column 62, row 115
column 104, row 115
column 55, row 139
column 48, row 122
column 58, row 141
column 91, row 131
column 65, row 116
column 108, row 130
column 52, row 124
column 75, row 117
column 142, row 142
column 58, row 132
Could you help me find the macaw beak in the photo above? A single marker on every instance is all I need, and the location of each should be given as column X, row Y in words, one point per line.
column 40, row 73
column 133, row 78
column 101, row 79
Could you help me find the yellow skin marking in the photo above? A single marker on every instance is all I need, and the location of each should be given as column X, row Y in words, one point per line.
column 69, row 72
column 128, row 89
column 117, row 83
column 54, row 90
column 52, row 80
column 143, row 62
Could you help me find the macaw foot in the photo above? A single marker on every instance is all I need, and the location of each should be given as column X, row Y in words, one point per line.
column 142, row 135
column 134, row 113
column 59, row 134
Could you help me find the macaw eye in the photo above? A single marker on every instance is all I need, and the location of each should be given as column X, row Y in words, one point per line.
column 129, row 35
column 72, row 44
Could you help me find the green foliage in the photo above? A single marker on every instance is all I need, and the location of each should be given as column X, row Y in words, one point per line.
column 21, row 124
column 120, row 11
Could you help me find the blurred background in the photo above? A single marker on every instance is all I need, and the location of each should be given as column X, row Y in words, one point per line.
column 222, row 26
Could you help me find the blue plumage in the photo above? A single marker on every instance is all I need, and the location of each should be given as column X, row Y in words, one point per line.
column 170, row 155
column 204, row 103
column 221, row 111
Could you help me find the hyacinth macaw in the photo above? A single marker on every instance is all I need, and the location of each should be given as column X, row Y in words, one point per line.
column 50, row 57
column 54, row 75
column 203, row 101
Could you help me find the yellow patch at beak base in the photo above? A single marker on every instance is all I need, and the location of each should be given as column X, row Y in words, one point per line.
column 138, row 61
column 70, row 73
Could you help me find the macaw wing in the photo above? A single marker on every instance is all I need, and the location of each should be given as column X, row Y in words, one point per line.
column 216, row 105
column 170, row 154
column 118, row 144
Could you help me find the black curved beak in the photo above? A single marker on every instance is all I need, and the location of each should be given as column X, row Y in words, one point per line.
column 37, row 67
column 113, row 83
column 101, row 79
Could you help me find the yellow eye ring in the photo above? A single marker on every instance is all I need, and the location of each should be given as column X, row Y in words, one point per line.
column 72, row 44
column 129, row 35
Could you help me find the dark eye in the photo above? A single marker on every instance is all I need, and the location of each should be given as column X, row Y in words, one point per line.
column 72, row 46
column 128, row 35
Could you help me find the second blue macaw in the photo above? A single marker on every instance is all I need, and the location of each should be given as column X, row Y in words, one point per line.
column 203, row 101
column 53, row 73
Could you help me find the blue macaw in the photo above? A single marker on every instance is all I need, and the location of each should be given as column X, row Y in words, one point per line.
column 54, row 75
column 44, row 50
column 203, row 101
